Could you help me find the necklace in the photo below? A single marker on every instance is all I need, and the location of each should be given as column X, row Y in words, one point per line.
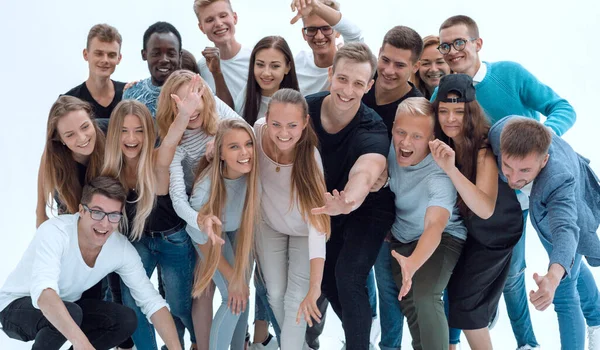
column 277, row 167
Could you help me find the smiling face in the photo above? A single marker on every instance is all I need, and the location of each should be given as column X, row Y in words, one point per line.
column 270, row 67
column 394, row 68
column 195, row 120
column 467, row 60
column 349, row 82
column 218, row 21
column 102, row 57
column 163, row 56
column 285, row 124
column 411, row 135
column 132, row 137
column 433, row 67
column 451, row 116
column 320, row 44
column 521, row 171
column 77, row 132
column 237, row 152
column 95, row 233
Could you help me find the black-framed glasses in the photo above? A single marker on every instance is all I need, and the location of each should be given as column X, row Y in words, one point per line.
column 312, row 31
column 458, row 44
column 98, row 215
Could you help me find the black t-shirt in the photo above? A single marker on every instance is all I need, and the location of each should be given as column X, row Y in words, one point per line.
column 162, row 217
column 102, row 113
column 387, row 112
column 366, row 133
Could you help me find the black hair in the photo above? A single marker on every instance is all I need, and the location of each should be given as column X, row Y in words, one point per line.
column 161, row 27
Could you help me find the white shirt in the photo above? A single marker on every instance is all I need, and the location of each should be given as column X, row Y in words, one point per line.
column 481, row 72
column 275, row 202
column 313, row 79
column 235, row 72
column 53, row 260
column 240, row 103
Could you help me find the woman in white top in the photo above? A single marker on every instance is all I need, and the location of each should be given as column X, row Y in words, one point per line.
column 226, row 197
column 290, row 240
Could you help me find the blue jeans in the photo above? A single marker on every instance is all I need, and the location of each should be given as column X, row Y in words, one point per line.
column 372, row 292
column 453, row 333
column 391, row 317
column 515, row 294
column 262, row 309
column 177, row 258
column 575, row 293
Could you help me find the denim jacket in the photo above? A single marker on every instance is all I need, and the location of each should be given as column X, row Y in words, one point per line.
column 564, row 203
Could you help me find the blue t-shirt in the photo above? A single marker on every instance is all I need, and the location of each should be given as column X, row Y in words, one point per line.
column 144, row 92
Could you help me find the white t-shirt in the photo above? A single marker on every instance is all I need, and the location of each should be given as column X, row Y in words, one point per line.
column 313, row 79
column 235, row 72
column 275, row 199
column 240, row 102
column 53, row 260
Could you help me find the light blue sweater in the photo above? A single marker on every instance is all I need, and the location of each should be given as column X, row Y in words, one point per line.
column 510, row 89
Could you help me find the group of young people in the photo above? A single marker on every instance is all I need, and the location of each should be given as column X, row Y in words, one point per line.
column 331, row 177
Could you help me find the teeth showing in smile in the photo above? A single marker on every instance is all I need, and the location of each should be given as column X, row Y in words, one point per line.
column 283, row 140
column 455, row 59
column 85, row 144
column 100, row 232
column 194, row 117
column 344, row 99
column 163, row 70
column 405, row 153
column 244, row 161
column 220, row 31
column 321, row 43
column 131, row 145
column 435, row 75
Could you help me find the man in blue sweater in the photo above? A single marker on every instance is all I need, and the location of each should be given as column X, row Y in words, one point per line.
column 505, row 88
column 565, row 212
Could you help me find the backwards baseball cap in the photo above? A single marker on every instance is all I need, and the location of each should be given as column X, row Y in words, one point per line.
column 458, row 84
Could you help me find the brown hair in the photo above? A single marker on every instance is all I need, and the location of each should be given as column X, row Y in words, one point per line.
column 464, row 20
column 308, row 183
column 405, row 38
column 475, row 127
column 430, row 40
column 524, row 136
column 200, row 4
column 167, row 110
column 216, row 204
column 106, row 186
column 104, row 33
column 188, row 61
column 59, row 167
column 357, row 52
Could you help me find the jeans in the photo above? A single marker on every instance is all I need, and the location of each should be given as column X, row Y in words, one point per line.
column 575, row 293
column 104, row 323
column 262, row 309
column 515, row 295
column 177, row 258
column 391, row 317
column 453, row 333
column 351, row 253
column 285, row 264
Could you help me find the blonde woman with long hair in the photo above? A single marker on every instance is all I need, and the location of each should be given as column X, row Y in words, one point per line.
column 156, row 231
column 290, row 241
column 189, row 152
column 226, row 196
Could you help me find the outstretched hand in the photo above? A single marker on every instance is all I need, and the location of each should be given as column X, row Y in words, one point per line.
column 206, row 224
column 443, row 155
column 543, row 297
column 192, row 101
column 408, row 271
column 335, row 204
column 303, row 7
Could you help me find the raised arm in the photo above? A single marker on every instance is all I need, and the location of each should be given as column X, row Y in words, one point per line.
column 213, row 63
column 480, row 196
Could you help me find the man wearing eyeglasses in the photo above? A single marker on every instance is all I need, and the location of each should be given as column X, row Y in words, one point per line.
column 40, row 300
column 322, row 24
column 505, row 88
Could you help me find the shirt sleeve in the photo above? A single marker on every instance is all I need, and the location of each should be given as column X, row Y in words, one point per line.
column 562, row 215
column 316, row 243
column 349, row 31
column 51, row 242
column 560, row 115
column 223, row 110
column 177, row 190
column 373, row 141
column 441, row 192
column 134, row 276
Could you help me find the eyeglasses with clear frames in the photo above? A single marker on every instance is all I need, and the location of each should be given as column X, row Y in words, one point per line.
column 98, row 215
column 458, row 44
column 312, row 31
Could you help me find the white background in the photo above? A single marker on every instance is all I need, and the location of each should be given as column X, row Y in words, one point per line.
column 41, row 57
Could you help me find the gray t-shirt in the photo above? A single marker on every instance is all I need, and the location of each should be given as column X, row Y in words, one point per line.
column 417, row 188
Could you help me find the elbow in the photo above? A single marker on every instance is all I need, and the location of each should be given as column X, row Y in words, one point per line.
column 486, row 211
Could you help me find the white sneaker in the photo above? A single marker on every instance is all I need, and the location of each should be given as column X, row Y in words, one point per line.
column 272, row 345
column 528, row 347
column 593, row 338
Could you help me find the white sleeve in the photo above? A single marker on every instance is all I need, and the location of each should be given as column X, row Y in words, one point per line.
column 223, row 110
column 198, row 198
column 349, row 31
column 51, row 243
column 177, row 191
column 316, row 243
column 134, row 276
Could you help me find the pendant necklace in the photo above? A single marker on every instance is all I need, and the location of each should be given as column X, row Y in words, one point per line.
column 277, row 168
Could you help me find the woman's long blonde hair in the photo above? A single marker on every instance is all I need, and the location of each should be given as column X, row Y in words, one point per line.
column 167, row 109
column 114, row 162
column 308, row 182
column 216, row 204
column 60, row 168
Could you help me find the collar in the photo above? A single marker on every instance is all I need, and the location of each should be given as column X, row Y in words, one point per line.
column 478, row 78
